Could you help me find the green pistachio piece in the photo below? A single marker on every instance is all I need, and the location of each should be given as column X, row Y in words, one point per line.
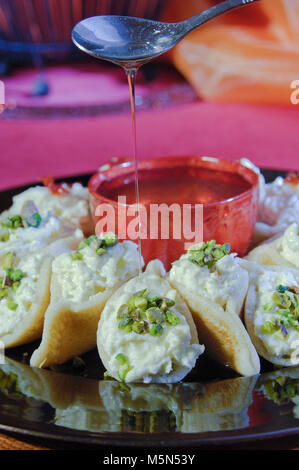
column 154, row 301
column 226, row 248
column 217, row 253
column 13, row 222
column 141, row 293
column 281, row 289
column 35, row 220
column 137, row 314
column 277, row 299
column 126, row 324
column 156, row 330
column 141, row 303
column 90, row 239
column 155, row 315
column 122, row 371
column 15, row 286
column 208, row 253
column 267, row 328
column 107, row 376
column 77, row 256
column 268, row 307
column 12, row 305
column 172, row 319
column 100, row 251
column 8, row 260
column 166, row 303
column 109, row 239
column 131, row 303
column 4, row 236
column 3, row 292
column 123, row 312
column 82, row 245
column 210, row 246
column 124, row 366
column 121, row 358
column 138, row 327
column 15, row 274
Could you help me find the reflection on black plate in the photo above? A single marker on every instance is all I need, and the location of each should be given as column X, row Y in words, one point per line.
column 213, row 405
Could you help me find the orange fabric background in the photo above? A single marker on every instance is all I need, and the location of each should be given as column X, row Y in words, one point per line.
column 248, row 55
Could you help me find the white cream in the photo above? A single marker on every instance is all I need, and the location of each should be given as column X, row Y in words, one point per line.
column 79, row 280
column 24, row 240
column 248, row 164
column 289, row 244
column 266, row 284
column 164, row 358
column 71, row 206
column 280, row 204
column 24, row 296
column 218, row 285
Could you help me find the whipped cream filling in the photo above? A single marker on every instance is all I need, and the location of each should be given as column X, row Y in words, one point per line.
column 217, row 285
column 80, row 279
column 151, row 358
column 276, row 343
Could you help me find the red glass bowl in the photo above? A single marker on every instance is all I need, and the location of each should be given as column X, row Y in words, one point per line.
column 228, row 192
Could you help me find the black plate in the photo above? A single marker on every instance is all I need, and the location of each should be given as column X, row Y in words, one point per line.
column 73, row 403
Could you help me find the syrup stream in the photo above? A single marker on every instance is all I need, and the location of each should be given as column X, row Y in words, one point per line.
column 131, row 73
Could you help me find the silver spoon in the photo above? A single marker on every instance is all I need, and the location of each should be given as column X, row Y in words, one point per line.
column 130, row 41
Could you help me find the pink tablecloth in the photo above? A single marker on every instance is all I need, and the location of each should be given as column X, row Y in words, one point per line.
column 60, row 147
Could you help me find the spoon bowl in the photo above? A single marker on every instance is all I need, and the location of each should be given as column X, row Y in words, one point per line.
column 124, row 38
column 130, row 41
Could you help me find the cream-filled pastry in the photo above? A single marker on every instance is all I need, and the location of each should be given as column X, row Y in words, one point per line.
column 214, row 285
column 68, row 202
column 272, row 313
column 278, row 208
column 146, row 332
column 82, row 282
column 24, row 296
column 30, row 232
column 281, row 251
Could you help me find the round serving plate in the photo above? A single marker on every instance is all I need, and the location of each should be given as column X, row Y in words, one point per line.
column 72, row 403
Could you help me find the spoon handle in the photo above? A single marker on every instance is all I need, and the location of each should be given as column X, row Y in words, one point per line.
column 211, row 13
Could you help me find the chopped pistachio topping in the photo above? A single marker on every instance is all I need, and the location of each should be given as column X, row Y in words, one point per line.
column 142, row 312
column 100, row 245
column 109, row 239
column 285, row 306
column 11, row 280
column 34, row 220
column 208, row 253
column 171, row 318
column 282, row 389
column 12, row 305
column 77, row 256
column 8, row 261
column 9, row 385
column 13, row 222
column 124, row 366
column 15, row 274
column 107, row 376
column 17, row 221
column 156, row 330
column 4, row 236
column 3, row 292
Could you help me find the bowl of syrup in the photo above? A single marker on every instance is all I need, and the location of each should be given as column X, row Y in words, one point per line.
column 175, row 202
